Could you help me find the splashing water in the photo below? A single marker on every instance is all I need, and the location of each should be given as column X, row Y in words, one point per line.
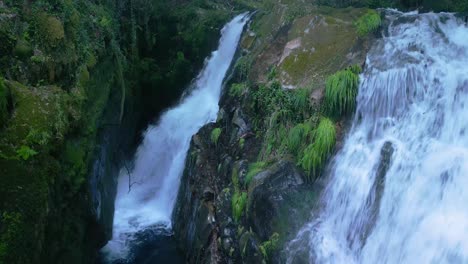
column 409, row 205
column 160, row 159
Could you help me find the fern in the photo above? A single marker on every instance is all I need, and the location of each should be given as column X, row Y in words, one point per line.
column 316, row 154
column 25, row 152
column 341, row 91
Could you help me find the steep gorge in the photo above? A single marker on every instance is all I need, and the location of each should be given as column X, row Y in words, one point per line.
column 82, row 79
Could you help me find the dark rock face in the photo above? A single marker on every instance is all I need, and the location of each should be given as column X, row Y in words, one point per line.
column 271, row 191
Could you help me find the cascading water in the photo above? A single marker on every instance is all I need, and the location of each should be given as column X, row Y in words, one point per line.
column 146, row 196
column 397, row 190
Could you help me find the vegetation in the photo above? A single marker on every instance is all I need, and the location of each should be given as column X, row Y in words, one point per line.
column 317, row 153
column 253, row 170
column 69, row 64
column 237, row 89
column 239, row 197
column 215, row 133
column 368, row 23
column 269, row 246
column 26, row 152
column 341, row 91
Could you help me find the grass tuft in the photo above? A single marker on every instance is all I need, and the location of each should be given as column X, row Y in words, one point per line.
column 215, row 135
column 368, row 23
column 341, row 91
column 253, row 170
column 315, row 155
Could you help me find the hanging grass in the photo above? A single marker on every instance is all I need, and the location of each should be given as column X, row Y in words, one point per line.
column 368, row 23
column 215, row 135
column 298, row 136
column 253, row 170
column 341, row 91
column 300, row 99
column 316, row 154
column 239, row 201
column 237, row 89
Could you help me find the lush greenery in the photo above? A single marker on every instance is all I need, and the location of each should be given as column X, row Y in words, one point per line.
column 368, row 23
column 215, row 133
column 253, row 170
column 72, row 69
column 269, row 246
column 239, row 197
column 317, row 153
column 341, row 90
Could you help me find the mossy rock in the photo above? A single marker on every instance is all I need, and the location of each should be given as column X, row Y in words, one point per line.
column 35, row 109
column 327, row 41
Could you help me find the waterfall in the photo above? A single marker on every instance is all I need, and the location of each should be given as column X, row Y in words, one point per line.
column 397, row 190
column 146, row 195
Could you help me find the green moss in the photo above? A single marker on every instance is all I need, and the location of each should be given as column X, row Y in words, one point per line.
column 341, row 91
column 315, row 155
column 368, row 23
column 215, row 133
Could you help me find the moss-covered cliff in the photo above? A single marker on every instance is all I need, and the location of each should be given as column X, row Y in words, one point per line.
column 78, row 79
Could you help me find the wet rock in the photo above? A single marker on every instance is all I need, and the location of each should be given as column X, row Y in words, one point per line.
column 249, row 247
column 239, row 121
column 208, row 194
column 279, row 201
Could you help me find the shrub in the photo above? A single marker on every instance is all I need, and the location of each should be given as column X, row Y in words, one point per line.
column 368, row 23
column 215, row 135
column 341, row 91
column 315, row 154
column 51, row 29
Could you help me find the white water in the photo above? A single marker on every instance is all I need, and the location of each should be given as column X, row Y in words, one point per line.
column 160, row 159
column 414, row 94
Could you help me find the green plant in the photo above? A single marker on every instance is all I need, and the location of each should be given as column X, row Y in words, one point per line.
column 237, row 89
column 239, row 201
column 241, row 143
column 368, row 23
column 215, row 133
column 316, row 154
column 269, row 246
column 298, row 136
column 38, row 137
column 254, row 169
column 25, row 152
column 341, row 91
